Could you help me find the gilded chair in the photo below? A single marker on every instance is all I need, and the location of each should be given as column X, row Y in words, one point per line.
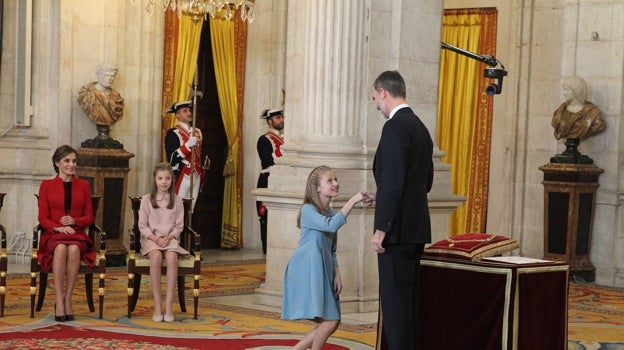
column 139, row 265
column 99, row 240
column 3, row 262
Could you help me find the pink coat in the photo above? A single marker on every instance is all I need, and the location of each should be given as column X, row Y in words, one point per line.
column 161, row 222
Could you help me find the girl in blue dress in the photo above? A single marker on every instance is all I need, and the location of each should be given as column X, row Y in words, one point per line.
column 312, row 281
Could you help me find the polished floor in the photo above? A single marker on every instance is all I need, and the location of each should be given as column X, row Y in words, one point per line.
column 21, row 264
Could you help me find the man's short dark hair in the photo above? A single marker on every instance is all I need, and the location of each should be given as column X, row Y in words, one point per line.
column 391, row 81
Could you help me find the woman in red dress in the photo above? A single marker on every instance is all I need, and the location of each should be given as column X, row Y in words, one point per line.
column 65, row 212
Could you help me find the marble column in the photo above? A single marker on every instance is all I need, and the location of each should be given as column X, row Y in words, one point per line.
column 326, row 103
column 331, row 63
column 326, row 83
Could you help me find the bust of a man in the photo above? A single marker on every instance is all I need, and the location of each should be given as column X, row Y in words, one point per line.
column 99, row 100
column 576, row 118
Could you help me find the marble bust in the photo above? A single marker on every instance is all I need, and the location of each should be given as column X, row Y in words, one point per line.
column 99, row 100
column 576, row 118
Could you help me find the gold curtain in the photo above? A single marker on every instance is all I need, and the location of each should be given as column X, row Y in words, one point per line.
column 465, row 112
column 186, row 49
column 186, row 62
column 229, row 72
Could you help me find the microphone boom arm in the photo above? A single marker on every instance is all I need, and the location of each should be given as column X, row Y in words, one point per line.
column 493, row 73
column 489, row 60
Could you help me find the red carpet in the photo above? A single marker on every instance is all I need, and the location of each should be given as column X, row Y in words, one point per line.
column 59, row 336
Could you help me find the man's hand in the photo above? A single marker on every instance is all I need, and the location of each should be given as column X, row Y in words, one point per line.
column 376, row 241
column 369, row 199
column 192, row 141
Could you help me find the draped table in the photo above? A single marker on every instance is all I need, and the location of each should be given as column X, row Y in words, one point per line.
column 492, row 305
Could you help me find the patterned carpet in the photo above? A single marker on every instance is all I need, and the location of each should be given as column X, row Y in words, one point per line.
column 596, row 315
column 215, row 321
column 63, row 336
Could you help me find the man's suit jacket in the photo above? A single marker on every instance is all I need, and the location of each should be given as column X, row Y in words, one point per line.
column 403, row 170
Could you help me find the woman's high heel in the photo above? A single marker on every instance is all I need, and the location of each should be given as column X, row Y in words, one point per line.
column 68, row 317
column 61, row 318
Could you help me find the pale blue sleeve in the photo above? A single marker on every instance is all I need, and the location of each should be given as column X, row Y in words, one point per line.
column 312, row 219
column 334, row 248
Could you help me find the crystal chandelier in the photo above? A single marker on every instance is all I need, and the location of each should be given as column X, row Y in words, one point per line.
column 200, row 9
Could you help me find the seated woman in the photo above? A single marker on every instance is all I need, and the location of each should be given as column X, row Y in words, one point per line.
column 161, row 220
column 64, row 213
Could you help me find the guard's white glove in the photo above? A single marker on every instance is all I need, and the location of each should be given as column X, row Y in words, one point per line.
column 192, row 141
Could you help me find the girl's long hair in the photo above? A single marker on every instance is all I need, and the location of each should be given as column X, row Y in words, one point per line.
column 311, row 195
column 157, row 168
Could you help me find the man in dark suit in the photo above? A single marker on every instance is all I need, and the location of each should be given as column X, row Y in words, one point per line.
column 403, row 170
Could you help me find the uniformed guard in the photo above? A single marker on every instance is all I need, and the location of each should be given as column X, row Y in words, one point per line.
column 269, row 147
column 183, row 145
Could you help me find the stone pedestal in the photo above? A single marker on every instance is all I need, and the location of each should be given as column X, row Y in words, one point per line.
column 107, row 172
column 569, row 200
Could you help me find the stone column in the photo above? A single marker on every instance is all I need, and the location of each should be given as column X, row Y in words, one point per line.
column 326, row 82
column 332, row 60
column 326, row 98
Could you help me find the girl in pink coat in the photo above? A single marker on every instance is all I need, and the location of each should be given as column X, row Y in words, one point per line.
column 161, row 221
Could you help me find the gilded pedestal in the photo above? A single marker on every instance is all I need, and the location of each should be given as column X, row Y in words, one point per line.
column 107, row 172
column 569, row 201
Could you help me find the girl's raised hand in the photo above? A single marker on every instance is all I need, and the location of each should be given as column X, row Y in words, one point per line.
column 368, row 198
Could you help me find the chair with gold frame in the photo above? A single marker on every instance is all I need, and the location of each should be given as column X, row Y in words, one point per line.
column 139, row 265
column 98, row 236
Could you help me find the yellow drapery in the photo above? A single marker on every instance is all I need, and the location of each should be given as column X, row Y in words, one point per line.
column 465, row 113
column 225, row 56
column 187, row 50
column 186, row 62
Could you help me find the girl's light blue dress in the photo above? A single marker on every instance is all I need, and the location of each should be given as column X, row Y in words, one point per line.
column 309, row 277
